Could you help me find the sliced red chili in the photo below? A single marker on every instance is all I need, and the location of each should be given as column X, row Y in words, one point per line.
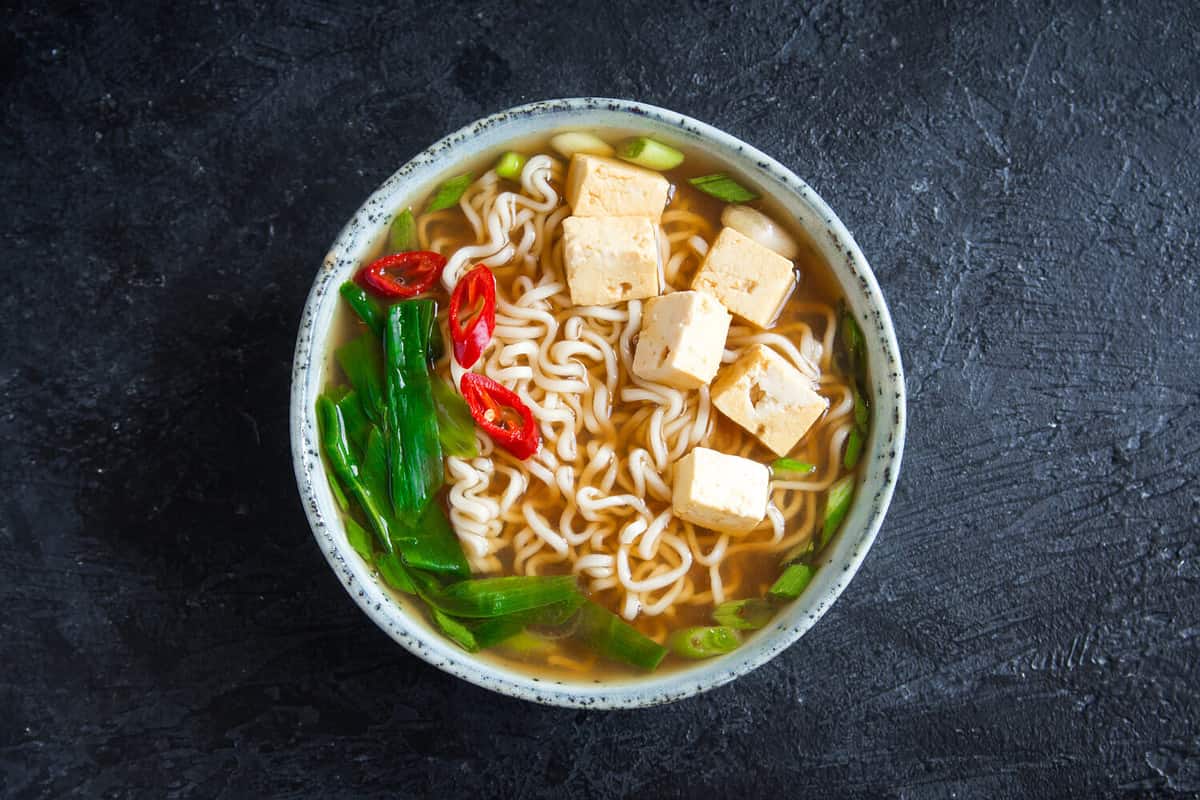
column 472, row 314
column 403, row 275
column 501, row 414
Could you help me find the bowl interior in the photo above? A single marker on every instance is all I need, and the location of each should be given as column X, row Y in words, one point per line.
column 788, row 193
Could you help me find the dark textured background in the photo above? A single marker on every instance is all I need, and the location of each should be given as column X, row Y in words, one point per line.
column 1023, row 178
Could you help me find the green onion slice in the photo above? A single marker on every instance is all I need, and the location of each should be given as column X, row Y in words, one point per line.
column 614, row 638
column 703, row 642
column 510, row 165
column 746, row 615
column 402, row 235
column 854, row 443
column 723, row 187
column 792, row 582
column 791, row 466
column 449, row 193
column 649, row 153
column 837, row 503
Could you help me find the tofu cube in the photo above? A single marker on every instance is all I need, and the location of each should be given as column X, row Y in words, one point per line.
column 682, row 339
column 603, row 187
column 720, row 492
column 610, row 259
column 750, row 280
column 769, row 397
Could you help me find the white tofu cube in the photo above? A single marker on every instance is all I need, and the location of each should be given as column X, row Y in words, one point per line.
column 769, row 397
column 720, row 492
column 682, row 339
column 603, row 187
column 750, row 280
column 610, row 259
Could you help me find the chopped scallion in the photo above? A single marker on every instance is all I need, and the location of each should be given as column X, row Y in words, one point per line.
column 510, row 165
column 837, row 503
column 571, row 142
column 792, row 582
column 854, row 443
column 449, row 193
column 723, row 187
column 791, row 466
column 402, row 235
column 649, row 153
column 747, row 615
column 703, row 642
column 359, row 539
column 613, row 637
column 456, row 427
column 394, row 574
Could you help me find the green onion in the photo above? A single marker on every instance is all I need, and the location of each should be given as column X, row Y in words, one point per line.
column 492, row 632
column 571, row 142
column 402, row 234
column 348, row 470
column 854, row 443
column 798, row 552
column 495, row 597
column 456, row 427
column 362, row 361
column 359, row 539
column 394, row 574
column 747, row 615
column 792, row 582
column 862, row 411
column 449, row 193
column 456, row 631
column 837, row 503
column 649, row 153
column 703, row 642
column 614, row 638
column 791, row 465
column 510, row 165
column 357, row 424
column 723, row 187
column 414, row 450
column 431, row 544
column 365, row 306
column 524, row 643
column 339, row 496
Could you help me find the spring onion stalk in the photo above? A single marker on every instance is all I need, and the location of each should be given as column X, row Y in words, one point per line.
column 746, row 615
column 614, row 638
column 792, row 582
column 449, row 193
column 524, row 643
column 484, row 598
column 339, row 496
column 723, row 187
column 455, row 425
column 355, row 420
column 571, row 142
column 374, row 468
column 791, row 466
column 431, row 544
column 862, row 410
column 365, row 306
column 402, row 234
column 837, row 503
column 348, row 470
column 393, row 573
column 414, row 450
column 649, row 153
column 456, row 631
column 798, row 552
column 359, row 539
column 756, row 225
column 703, row 642
column 362, row 361
column 510, row 165
column 854, row 443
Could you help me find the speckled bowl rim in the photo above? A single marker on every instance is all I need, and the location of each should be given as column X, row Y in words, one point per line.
column 883, row 453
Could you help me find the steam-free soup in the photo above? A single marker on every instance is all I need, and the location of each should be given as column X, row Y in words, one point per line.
column 604, row 359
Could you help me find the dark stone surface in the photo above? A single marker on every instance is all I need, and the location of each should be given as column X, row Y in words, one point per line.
column 1023, row 178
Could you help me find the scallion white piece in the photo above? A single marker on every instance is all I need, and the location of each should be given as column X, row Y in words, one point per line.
column 649, row 153
column 571, row 142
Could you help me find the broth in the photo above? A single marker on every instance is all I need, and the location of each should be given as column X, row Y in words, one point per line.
column 751, row 562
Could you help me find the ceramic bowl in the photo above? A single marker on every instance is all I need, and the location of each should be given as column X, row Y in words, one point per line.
column 416, row 178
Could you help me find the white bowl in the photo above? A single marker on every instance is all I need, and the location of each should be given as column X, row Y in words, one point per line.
column 882, row 454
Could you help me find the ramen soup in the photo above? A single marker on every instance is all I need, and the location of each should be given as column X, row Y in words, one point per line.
column 595, row 406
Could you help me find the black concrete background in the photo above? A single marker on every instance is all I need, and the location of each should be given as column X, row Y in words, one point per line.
column 1023, row 177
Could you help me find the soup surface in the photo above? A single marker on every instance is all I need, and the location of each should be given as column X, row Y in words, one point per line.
column 599, row 499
